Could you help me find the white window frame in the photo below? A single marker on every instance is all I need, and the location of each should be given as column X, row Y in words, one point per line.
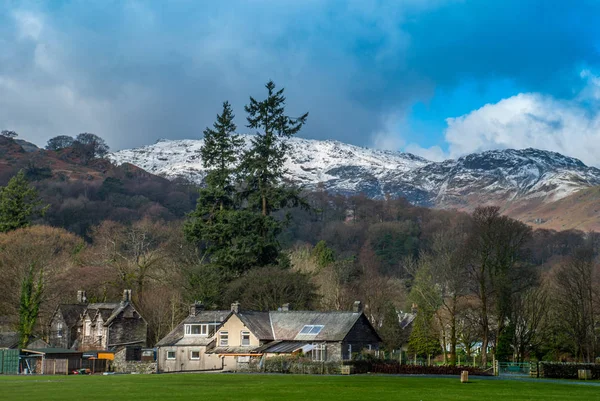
column 203, row 331
column 222, row 334
column 319, row 352
column 308, row 329
column 192, row 355
column 244, row 333
column 174, row 355
column 59, row 330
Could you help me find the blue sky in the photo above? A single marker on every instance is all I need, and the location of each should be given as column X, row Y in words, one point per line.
column 440, row 78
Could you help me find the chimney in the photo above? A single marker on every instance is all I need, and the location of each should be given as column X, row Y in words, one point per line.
column 126, row 296
column 81, row 298
column 285, row 308
column 357, row 307
column 195, row 308
column 235, row 307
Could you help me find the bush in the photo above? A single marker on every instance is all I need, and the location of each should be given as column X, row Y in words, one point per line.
column 394, row 367
column 557, row 370
column 295, row 365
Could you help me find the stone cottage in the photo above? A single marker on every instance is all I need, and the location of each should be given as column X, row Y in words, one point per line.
column 97, row 326
column 242, row 335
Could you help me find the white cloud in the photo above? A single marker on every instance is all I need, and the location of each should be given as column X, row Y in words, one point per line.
column 29, row 24
column 433, row 153
column 570, row 127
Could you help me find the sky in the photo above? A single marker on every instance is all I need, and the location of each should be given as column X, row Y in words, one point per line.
column 438, row 78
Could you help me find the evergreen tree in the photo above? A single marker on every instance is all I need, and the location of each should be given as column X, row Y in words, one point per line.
column 214, row 224
column 263, row 169
column 19, row 204
column 29, row 306
column 390, row 330
column 263, row 164
column 423, row 340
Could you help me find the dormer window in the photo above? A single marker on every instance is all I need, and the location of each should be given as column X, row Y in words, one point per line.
column 59, row 329
column 311, row 329
column 199, row 329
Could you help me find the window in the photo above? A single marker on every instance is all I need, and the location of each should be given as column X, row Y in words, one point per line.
column 245, row 338
column 311, row 329
column 59, row 329
column 195, row 355
column 319, row 352
column 199, row 329
column 223, row 338
column 87, row 329
column 170, row 354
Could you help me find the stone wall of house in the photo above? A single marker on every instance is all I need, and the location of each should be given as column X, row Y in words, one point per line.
column 121, row 365
column 64, row 340
column 127, row 328
column 333, row 352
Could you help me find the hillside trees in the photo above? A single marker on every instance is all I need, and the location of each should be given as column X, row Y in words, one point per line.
column 575, row 284
column 19, row 204
column 496, row 244
column 89, row 146
column 8, row 133
column 34, row 266
column 59, row 142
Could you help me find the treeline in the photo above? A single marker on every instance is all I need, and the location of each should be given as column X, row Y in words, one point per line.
column 479, row 280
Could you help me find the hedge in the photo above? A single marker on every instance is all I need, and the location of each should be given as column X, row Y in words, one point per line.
column 394, row 367
column 557, row 370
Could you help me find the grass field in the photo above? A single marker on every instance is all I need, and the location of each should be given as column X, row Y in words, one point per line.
column 223, row 387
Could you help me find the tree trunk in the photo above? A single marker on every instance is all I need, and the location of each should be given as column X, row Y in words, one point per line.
column 453, row 333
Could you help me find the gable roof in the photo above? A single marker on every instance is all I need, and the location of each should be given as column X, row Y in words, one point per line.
column 176, row 337
column 259, row 323
column 71, row 313
column 336, row 325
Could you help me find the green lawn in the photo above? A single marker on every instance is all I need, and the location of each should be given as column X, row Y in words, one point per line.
column 223, row 387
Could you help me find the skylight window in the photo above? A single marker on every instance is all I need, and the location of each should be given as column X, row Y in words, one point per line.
column 311, row 329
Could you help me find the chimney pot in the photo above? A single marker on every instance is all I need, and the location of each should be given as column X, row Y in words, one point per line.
column 81, row 298
column 357, row 307
column 195, row 308
column 126, row 296
column 235, row 307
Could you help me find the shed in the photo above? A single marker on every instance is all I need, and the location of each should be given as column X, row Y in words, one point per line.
column 51, row 360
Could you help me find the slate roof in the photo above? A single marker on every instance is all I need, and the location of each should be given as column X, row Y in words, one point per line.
column 281, row 347
column 336, row 325
column 259, row 323
column 234, row 350
column 175, row 337
column 71, row 313
column 105, row 309
column 9, row 339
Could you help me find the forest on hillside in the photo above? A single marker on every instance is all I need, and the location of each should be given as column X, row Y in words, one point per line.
column 248, row 236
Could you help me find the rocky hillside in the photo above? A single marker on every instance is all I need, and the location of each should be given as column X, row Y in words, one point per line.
column 511, row 178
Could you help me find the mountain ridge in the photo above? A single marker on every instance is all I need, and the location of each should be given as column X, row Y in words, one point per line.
column 493, row 176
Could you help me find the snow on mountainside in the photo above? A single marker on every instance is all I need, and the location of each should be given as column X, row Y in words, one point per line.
column 340, row 166
column 498, row 176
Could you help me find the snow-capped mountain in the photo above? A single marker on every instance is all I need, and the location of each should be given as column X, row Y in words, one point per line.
column 498, row 176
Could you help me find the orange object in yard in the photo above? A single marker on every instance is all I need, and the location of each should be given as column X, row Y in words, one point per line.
column 106, row 355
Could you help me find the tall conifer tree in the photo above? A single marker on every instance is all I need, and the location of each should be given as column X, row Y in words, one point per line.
column 262, row 171
column 19, row 204
column 210, row 224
